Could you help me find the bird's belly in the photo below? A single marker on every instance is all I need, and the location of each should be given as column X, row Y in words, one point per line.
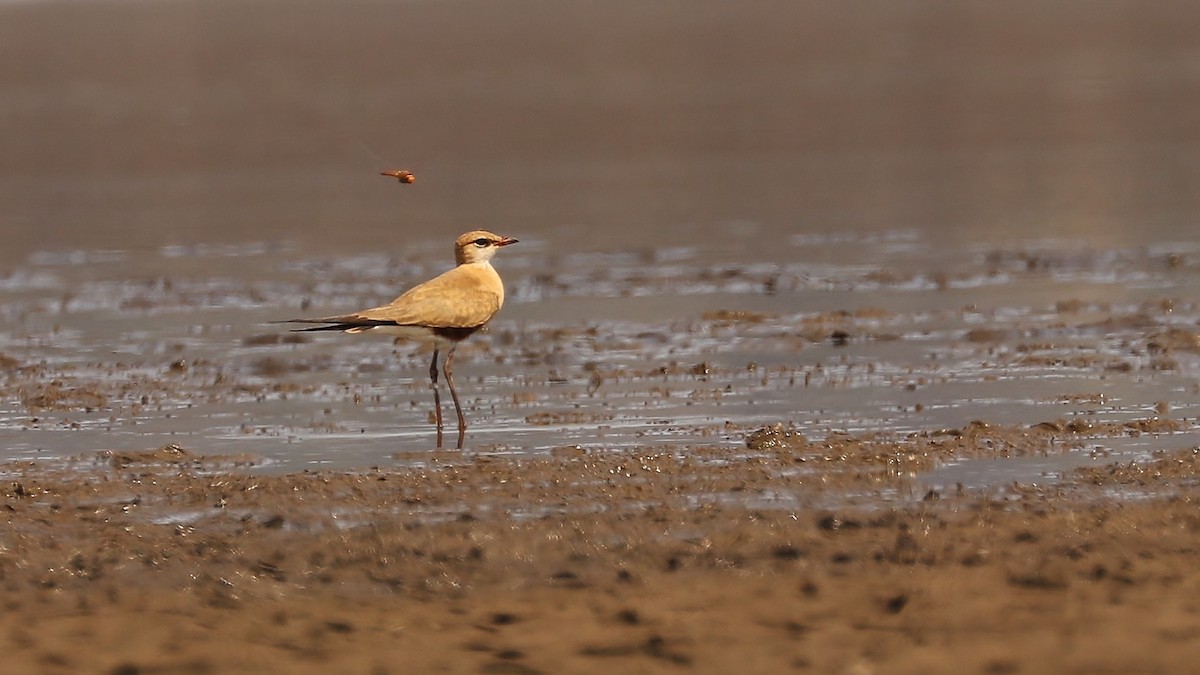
column 440, row 337
column 416, row 333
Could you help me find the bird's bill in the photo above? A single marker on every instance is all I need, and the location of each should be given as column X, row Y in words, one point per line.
column 506, row 241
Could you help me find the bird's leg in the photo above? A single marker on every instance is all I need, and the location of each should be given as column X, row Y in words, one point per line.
column 437, row 399
column 462, row 421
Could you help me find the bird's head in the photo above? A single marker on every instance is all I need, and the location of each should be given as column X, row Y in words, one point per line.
column 478, row 246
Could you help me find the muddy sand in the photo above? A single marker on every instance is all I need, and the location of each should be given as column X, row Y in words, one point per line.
column 169, row 562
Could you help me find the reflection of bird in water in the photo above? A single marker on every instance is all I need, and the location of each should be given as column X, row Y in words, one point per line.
column 442, row 311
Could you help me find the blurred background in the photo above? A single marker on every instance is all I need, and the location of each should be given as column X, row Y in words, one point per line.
column 135, row 124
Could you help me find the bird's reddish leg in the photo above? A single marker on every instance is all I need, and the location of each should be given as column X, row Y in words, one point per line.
column 437, row 398
column 462, row 420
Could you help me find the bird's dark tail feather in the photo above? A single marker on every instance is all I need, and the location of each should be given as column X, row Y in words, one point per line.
column 336, row 325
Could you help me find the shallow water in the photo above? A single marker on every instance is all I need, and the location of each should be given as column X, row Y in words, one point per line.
column 886, row 335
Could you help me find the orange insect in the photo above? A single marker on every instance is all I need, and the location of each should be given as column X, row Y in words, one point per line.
column 400, row 175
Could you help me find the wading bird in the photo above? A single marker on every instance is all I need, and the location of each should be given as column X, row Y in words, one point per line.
column 442, row 311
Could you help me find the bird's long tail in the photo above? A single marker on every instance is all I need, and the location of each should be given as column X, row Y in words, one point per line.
column 349, row 324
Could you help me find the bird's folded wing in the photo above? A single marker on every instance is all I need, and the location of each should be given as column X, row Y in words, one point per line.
column 463, row 297
column 465, row 308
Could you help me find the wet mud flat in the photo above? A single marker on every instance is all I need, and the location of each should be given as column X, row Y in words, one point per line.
column 868, row 454
column 167, row 561
column 980, row 462
column 889, row 334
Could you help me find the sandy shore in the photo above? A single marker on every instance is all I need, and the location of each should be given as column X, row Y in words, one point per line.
column 166, row 562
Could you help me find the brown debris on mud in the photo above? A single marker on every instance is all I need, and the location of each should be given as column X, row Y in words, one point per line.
column 56, row 396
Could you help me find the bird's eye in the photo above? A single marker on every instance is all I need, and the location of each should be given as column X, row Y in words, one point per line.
column 481, row 243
